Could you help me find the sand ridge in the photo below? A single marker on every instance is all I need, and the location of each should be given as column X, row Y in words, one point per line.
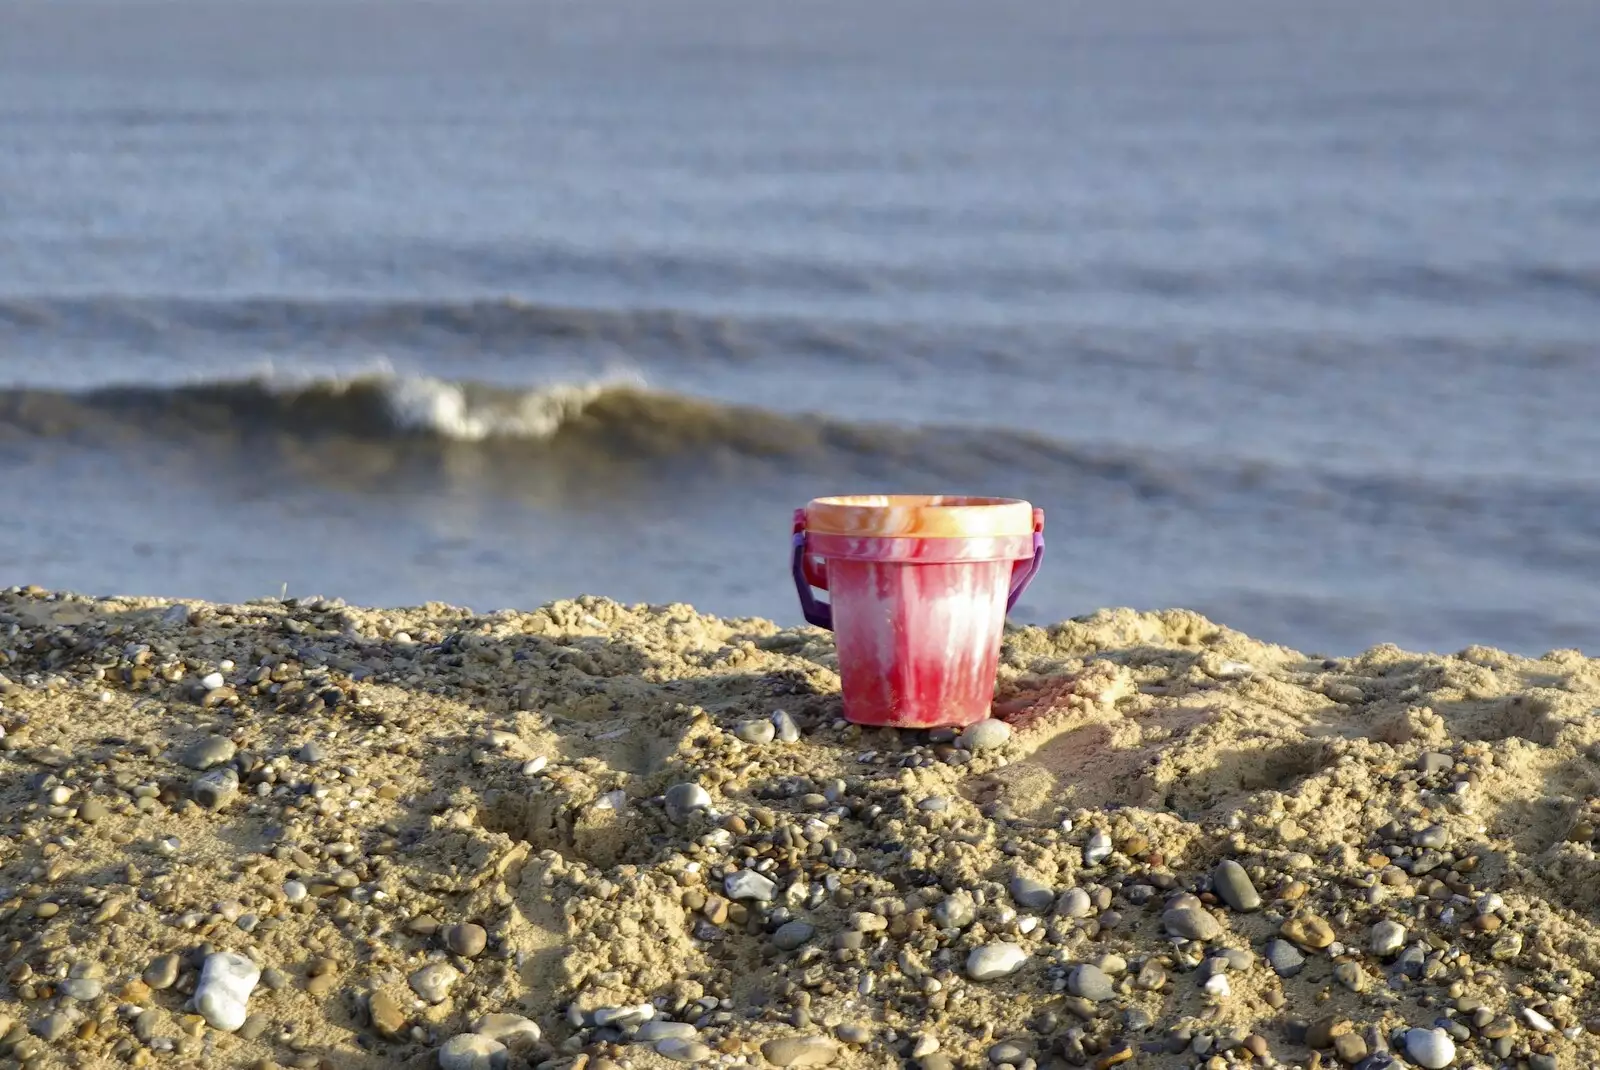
column 417, row 818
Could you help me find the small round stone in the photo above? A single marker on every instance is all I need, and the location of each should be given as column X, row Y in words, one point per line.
column 466, row 940
column 755, row 731
column 209, row 751
column 1091, row 983
column 793, row 934
column 683, row 800
column 1191, row 923
column 509, row 1029
column 991, row 961
column 1285, row 959
column 680, row 1050
column 1386, row 938
column 433, row 982
column 800, row 1051
column 1074, row 903
column 1430, row 1048
column 1309, row 931
column 986, row 734
column 162, row 971
column 1030, row 894
column 470, row 1051
column 1234, row 886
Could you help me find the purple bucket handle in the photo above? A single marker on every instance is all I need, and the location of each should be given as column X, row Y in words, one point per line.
column 1020, row 580
column 820, row 614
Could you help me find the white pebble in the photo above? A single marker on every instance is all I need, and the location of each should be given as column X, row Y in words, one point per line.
column 995, row 960
column 534, row 765
column 1430, row 1048
column 1097, row 850
column 1217, row 986
column 748, row 884
column 294, row 891
column 1387, row 938
column 223, row 994
column 212, row 681
column 1537, row 1020
column 469, row 1051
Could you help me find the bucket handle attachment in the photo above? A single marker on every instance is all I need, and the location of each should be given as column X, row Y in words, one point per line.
column 819, row 614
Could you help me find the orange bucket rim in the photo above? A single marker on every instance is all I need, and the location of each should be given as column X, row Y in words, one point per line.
column 920, row 515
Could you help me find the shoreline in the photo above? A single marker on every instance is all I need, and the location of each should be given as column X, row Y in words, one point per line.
column 1188, row 849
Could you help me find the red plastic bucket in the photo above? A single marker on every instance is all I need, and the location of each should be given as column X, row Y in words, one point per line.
column 919, row 587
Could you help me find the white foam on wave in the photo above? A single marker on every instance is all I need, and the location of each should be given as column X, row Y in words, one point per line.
column 471, row 413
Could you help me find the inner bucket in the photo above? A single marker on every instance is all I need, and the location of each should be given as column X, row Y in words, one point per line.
column 917, row 617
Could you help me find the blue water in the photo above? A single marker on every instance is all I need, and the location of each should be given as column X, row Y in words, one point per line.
column 1286, row 313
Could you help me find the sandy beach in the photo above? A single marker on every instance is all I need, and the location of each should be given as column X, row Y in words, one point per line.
column 597, row 836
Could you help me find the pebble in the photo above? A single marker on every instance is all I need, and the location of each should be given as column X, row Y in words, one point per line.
column 755, row 731
column 212, row 790
column 683, row 800
column 1074, row 903
column 1538, row 1021
column 92, row 811
column 1386, row 938
column 1191, row 923
column 1091, row 983
column 466, row 940
column 1430, row 1048
column 1309, row 931
column 634, row 1014
column 1433, row 762
column 748, row 884
column 955, row 911
column 509, row 1029
column 1234, row 886
column 1349, row 1048
column 995, row 960
column 1030, row 894
column 800, row 1051
column 53, row 1027
column 785, row 727
column 1218, row 986
column 1097, row 850
column 433, row 982
column 983, row 735
column 1284, row 958
column 470, row 1051
column 212, row 680
column 1006, row 1053
column 659, row 1029
column 162, row 971
column 208, row 751
column 313, row 753
column 386, row 1014
column 680, row 1050
column 793, row 934
column 223, row 994
column 82, row 989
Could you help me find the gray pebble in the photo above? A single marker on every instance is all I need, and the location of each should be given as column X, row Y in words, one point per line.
column 467, row 940
column 683, row 800
column 986, row 734
column 1434, row 762
column 208, row 751
column 1191, row 923
column 785, row 727
column 660, row 1029
column 52, row 1027
column 1233, row 884
column 1074, row 903
column 508, row 1029
column 1007, row 1053
column 253, row 1027
column 1030, row 894
column 1284, row 958
column 213, row 790
column 1091, row 983
column 793, row 934
column 1097, row 849
column 1434, row 836
column 313, row 753
column 83, row 989
column 162, row 972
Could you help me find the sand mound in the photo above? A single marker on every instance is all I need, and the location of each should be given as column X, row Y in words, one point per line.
column 641, row 836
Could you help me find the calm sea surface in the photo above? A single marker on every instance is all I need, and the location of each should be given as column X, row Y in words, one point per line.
column 1288, row 313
